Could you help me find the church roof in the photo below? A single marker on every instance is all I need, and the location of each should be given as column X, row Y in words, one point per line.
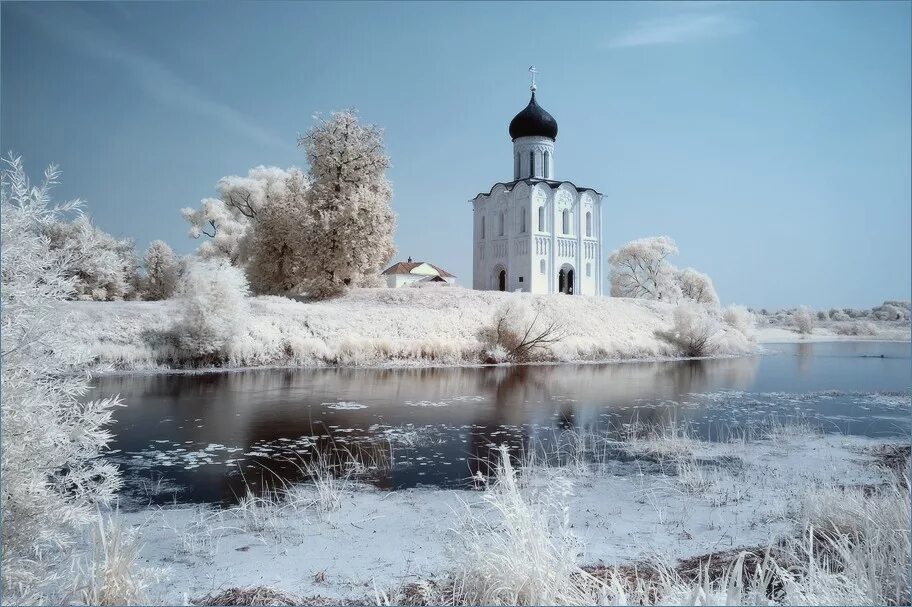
column 531, row 181
column 533, row 121
column 406, row 267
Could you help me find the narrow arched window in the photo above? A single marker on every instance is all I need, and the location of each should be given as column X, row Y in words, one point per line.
column 522, row 220
column 532, row 163
column 541, row 219
column 501, row 227
column 516, row 165
column 482, row 226
column 588, row 223
column 541, row 266
column 546, row 164
column 588, row 269
column 566, row 221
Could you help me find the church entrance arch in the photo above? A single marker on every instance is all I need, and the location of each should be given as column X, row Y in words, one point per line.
column 500, row 278
column 565, row 280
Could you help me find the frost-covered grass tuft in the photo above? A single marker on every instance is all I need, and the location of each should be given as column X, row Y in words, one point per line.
column 110, row 574
column 519, row 550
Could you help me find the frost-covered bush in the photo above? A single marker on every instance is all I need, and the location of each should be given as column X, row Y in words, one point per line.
column 694, row 331
column 858, row 327
column 821, row 315
column 838, row 315
column 50, row 476
column 212, row 297
column 803, row 319
column 891, row 310
column 742, row 320
column 519, row 332
column 698, row 287
column 103, row 268
column 852, row 313
column 162, row 271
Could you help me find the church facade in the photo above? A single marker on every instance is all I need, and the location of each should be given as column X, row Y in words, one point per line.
column 537, row 234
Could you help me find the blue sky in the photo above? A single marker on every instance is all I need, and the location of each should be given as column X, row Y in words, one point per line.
column 770, row 140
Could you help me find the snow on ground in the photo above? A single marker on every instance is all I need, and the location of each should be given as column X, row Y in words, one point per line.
column 885, row 331
column 377, row 327
column 676, row 499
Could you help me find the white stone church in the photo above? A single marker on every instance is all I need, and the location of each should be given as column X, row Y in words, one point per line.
column 537, row 234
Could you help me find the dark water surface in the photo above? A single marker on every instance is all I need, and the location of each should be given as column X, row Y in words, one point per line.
column 206, row 437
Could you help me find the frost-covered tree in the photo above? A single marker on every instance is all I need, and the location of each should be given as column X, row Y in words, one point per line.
column 350, row 226
column 641, row 269
column 212, row 297
column 226, row 221
column 50, row 475
column 162, row 271
column 697, row 286
column 258, row 223
column 803, row 319
column 279, row 241
column 103, row 268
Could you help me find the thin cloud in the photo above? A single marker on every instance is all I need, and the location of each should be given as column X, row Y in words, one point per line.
column 157, row 80
column 678, row 30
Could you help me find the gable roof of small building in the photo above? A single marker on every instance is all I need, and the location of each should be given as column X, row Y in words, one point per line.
column 406, row 267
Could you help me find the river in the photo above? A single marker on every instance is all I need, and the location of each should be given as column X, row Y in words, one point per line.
column 207, row 437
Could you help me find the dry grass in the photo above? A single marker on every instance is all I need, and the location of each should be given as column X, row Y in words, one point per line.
column 110, row 575
column 251, row 595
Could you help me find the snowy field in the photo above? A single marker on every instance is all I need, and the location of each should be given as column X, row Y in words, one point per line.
column 673, row 498
column 382, row 327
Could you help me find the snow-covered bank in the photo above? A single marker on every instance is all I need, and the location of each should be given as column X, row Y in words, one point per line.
column 883, row 331
column 677, row 498
column 383, row 327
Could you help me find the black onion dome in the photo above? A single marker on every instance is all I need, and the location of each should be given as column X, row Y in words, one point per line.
column 533, row 121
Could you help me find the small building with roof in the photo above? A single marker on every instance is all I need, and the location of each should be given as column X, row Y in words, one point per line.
column 416, row 273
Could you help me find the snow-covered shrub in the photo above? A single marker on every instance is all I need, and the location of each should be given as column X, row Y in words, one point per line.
column 103, row 268
column 697, row 286
column 803, row 319
column 838, row 315
column 889, row 311
column 741, row 319
column 857, row 327
column 694, row 331
column 518, row 332
column 50, row 476
column 852, row 313
column 212, row 297
column 641, row 269
column 162, row 271
column 350, row 229
column 821, row 315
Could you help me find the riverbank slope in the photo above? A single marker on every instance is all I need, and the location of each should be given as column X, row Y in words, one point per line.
column 383, row 327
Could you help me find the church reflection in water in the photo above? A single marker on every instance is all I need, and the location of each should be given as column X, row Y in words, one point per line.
column 410, row 426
